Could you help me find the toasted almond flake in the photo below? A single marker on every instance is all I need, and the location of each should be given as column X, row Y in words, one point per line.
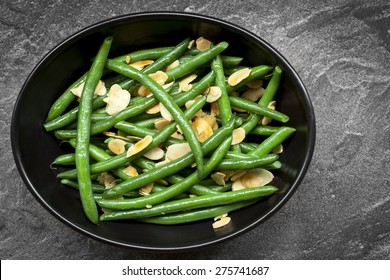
column 143, row 91
column 130, row 171
column 256, row 178
column 149, row 206
column 213, row 94
column 177, row 135
column 133, row 138
column 221, row 223
column 220, row 217
column 139, row 65
column 253, row 94
column 114, row 135
column 165, row 113
column 218, row 178
column 189, row 103
column 161, row 163
column 237, row 185
column 190, row 44
column 161, row 123
column 192, row 195
column 212, row 121
column 184, row 84
column 106, row 179
column 202, row 44
column 255, row 84
column 146, row 190
column 238, row 135
column 139, row 146
column 179, row 129
column 155, row 154
column 117, row 99
column 99, row 90
column 237, row 175
column 166, row 86
column 117, row 146
column 267, row 120
column 177, row 150
column 127, row 59
column 214, row 109
column 173, row 64
column 160, row 77
column 238, row 76
column 228, row 174
column 154, row 109
column 278, row 149
column 202, row 129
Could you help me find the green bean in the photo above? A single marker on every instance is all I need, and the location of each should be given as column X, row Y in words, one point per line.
column 173, row 190
column 197, row 215
column 169, row 103
column 190, row 203
column 256, row 73
column 201, row 58
column 170, row 167
column 223, row 102
column 272, row 141
column 83, row 132
column 267, row 97
column 264, row 130
column 273, row 166
column 65, row 159
column 235, row 164
column 196, row 189
column 257, row 109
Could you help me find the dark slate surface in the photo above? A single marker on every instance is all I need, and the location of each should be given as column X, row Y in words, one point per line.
column 341, row 51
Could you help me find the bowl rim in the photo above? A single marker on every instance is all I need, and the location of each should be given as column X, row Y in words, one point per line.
column 309, row 114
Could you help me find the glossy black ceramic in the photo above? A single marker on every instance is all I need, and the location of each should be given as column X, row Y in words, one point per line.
column 34, row 149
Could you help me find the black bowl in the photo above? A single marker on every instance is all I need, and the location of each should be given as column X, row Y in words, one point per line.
column 34, row 149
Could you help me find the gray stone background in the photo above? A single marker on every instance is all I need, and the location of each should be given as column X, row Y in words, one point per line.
column 341, row 51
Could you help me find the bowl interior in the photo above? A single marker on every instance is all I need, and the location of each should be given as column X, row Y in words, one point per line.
column 35, row 149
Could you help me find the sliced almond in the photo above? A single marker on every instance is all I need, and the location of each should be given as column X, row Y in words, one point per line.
column 161, row 123
column 160, row 77
column 117, row 146
column 202, row 44
column 191, row 44
column 228, row 174
column 237, row 175
column 99, row 90
column 218, row 178
column 149, row 206
column 161, row 163
column 202, row 129
column 139, row 146
column 167, row 86
column 214, row 109
column 177, row 135
column 253, row 94
column 139, row 65
column 237, row 185
column 146, row 190
column 213, row 94
column 130, row 171
column 254, row 84
column 278, row 149
column 165, row 113
column 238, row 76
column 143, row 91
column 133, row 138
column 256, row 178
column 189, row 103
column 154, row 109
column 184, row 84
column 127, row 59
column 238, row 135
column 114, row 135
column 177, row 150
column 117, row 99
column 173, row 64
column 267, row 120
column 106, row 179
column 212, row 121
column 155, row 154
column 220, row 217
column 221, row 223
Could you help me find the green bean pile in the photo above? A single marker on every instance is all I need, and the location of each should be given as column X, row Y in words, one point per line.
column 170, row 135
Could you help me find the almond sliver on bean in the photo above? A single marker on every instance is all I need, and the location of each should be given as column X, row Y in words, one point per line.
column 139, row 146
column 184, row 84
column 238, row 135
column 212, row 121
column 153, row 110
column 117, row 99
column 99, row 90
column 219, row 178
column 220, row 217
column 254, row 84
column 238, row 76
column 146, row 190
column 127, row 59
column 165, row 113
column 161, row 123
column 278, row 149
column 117, row 146
column 237, row 185
column 154, row 154
column 267, row 120
column 253, row 94
column 256, row 178
column 213, row 94
column 222, row 222
column 130, row 171
column 173, row 64
column 107, row 180
column 214, row 109
column 191, row 44
column 237, row 175
column 202, row 44
column 139, row 65
column 202, row 129
column 160, row 77
column 177, row 150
